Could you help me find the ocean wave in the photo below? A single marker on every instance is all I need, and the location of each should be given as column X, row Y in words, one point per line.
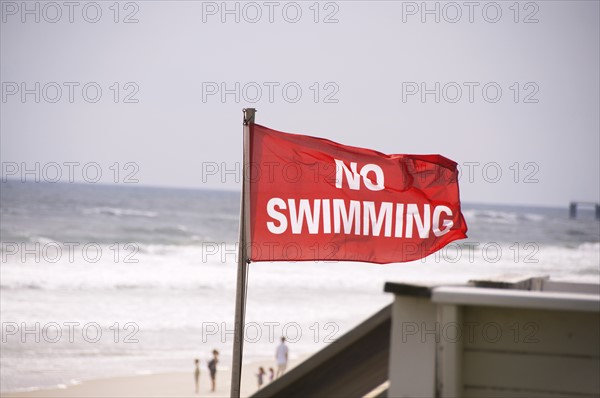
column 533, row 217
column 42, row 240
column 587, row 271
column 107, row 285
column 193, row 246
column 119, row 212
column 158, row 249
column 501, row 217
column 150, row 286
column 178, row 230
column 21, row 286
column 590, row 246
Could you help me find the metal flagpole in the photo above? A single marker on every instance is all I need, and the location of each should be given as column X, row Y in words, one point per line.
column 243, row 261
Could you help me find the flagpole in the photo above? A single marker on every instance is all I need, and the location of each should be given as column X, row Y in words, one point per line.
column 243, row 261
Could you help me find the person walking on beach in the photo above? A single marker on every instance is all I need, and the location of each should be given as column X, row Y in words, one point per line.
column 197, row 374
column 260, row 376
column 212, row 367
column 281, row 355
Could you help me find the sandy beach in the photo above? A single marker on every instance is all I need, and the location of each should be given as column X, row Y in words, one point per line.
column 180, row 384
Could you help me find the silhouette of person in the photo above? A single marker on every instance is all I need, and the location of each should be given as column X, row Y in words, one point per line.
column 281, row 355
column 197, row 375
column 212, row 367
column 260, row 376
column 271, row 374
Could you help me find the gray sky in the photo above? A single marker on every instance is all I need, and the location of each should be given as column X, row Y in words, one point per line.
column 357, row 75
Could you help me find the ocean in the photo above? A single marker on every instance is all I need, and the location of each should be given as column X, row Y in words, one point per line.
column 100, row 281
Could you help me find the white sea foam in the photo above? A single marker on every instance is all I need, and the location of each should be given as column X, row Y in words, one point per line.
column 191, row 268
column 115, row 211
column 171, row 296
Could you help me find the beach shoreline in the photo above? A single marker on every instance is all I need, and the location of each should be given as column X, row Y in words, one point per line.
column 172, row 384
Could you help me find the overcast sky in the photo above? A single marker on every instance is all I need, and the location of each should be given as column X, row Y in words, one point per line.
column 517, row 85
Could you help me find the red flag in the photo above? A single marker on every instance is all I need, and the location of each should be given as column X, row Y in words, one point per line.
column 315, row 199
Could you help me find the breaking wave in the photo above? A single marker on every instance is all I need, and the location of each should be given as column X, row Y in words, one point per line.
column 119, row 212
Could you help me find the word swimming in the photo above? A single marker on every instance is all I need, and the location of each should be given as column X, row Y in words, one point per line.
column 332, row 216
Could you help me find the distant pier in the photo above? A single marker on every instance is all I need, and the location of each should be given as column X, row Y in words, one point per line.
column 574, row 205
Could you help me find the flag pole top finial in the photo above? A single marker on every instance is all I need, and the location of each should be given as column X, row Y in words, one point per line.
column 248, row 115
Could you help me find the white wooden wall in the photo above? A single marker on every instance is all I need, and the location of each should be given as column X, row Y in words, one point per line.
column 477, row 342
